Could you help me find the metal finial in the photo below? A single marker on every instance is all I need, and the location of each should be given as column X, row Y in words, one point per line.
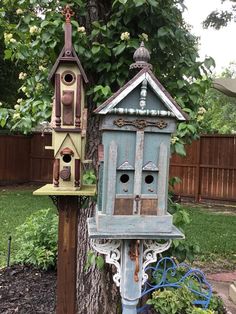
column 68, row 13
column 141, row 58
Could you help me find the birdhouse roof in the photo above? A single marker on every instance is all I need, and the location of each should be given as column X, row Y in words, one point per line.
column 145, row 74
column 62, row 58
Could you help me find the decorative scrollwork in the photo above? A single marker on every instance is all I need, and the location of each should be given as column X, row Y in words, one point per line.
column 150, row 254
column 140, row 123
column 110, row 248
column 168, row 273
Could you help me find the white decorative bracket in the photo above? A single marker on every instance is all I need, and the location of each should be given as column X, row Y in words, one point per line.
column 150, row 254
column 110, row 248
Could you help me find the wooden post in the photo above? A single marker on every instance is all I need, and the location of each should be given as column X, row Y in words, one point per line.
column 67, row 254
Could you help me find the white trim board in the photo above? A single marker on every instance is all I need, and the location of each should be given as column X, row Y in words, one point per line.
column 157, row 90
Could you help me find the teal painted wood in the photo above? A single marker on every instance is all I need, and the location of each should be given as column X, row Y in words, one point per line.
column 131, row 283
column 111, row 182
column 100, row 185
column 134, row 224
column 95, row 234
column 132, row 100
column 138, row 170
column 125, row 145
column 163, row 178
column 125, row 188
column 149, row 183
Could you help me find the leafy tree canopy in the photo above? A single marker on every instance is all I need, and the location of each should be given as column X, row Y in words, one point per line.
column 220, row 115
column 221, row 18
column 105, row 36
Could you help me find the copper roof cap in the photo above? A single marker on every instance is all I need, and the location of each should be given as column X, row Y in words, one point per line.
column 141, row 58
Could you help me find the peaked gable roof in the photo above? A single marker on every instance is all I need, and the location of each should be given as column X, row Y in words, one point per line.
column 63, row 58
column 158, row 89
column 62, row 143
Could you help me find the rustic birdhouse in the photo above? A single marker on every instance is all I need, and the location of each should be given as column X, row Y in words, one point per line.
column 69, row 117
column 69, row 129
column 136, row 124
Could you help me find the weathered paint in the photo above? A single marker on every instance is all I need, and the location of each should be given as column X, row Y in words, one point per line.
column 156, row 87
column 107, row 123
column 49, row 189
column 95, row 234
column 131, row 280
column 163, row 178
column 134, row 224
column 111, row 182
column 138, row 170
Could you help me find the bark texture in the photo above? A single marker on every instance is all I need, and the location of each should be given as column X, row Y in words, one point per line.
column 96, row 292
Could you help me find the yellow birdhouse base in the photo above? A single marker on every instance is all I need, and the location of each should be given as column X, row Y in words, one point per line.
column 84, row 190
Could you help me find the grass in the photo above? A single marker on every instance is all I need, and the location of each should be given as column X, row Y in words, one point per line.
column 215, row 232
column 15, row 206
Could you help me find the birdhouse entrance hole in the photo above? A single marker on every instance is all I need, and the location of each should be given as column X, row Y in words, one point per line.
column 68, row 77
column 149, row 179
column 67, row 158
column 124, row 178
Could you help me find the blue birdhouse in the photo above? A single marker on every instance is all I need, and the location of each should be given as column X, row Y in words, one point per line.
column 136, row 125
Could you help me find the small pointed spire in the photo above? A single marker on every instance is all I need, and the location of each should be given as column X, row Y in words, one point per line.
column 141, row 57
column 68, row 13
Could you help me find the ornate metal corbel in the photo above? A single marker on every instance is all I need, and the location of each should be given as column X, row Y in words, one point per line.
column 110, row 248
column 150, row 254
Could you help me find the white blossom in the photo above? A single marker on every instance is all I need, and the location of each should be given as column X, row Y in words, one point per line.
column 174, row 139
column 144, row 36
column 23, row 89
column 42, row 68
column 81, row 29
column 12, row 40
column 19, row 11
column 16, row 115
column 22, row 76
column 34, row 29
column 19, row 100
column 7, row 37
column 17, row 107
column 201, row 110
column 125, row 36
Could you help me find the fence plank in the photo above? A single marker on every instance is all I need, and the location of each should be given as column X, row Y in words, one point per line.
column 214, row 165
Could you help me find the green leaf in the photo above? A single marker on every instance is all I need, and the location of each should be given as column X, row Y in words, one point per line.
column 27, row 18
column 179, row 148
column 162, row 44
column 44, row 23
column 162, row 31
column 153, row 3
column 138, row 3
column 7, row 54
column 100, row 262
column 119, row 49
column 95, row 49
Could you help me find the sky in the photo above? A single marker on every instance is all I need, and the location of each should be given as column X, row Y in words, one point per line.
column 219, row 44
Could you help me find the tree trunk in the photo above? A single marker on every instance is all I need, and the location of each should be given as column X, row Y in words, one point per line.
column 96, row 292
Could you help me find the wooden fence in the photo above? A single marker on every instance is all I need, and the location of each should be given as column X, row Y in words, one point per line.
column 209, row 169
column 207, row 172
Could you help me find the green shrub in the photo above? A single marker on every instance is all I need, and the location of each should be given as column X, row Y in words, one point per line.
column 178, row 301
column 37, row 240
column 172, row 301
column 197, row 310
